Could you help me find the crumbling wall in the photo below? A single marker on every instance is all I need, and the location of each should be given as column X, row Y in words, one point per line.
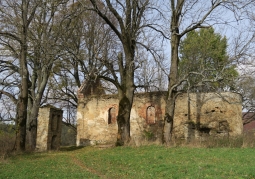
column 49, row 123
column 96, row 125
column 147, row 114
column 207, row 114
column 196, row 115
column 92, row 120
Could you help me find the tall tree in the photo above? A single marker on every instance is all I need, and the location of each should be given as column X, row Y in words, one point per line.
column 83, row 45
column 204, row 62
column 44, row 51
column 187, row 16
column 16, row 19
column 126, row 19
column 38, row 50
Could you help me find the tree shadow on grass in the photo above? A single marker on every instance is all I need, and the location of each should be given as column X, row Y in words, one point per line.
column 71, row 148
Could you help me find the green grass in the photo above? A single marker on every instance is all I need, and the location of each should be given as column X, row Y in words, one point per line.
column 133, row 162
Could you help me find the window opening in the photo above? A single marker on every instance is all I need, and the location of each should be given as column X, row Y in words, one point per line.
column 111, row 115
column 150, row 116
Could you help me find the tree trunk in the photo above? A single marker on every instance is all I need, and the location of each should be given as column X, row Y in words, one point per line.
column 29, row 107
column 23, row 97
column 23, row 101
column 126, row 94
column 32, row 127
column 170, row 101
column 32, row 123
column 31, row 102
column 24, row 74
column 176, row 7
column 123, row 120
column 21, row 123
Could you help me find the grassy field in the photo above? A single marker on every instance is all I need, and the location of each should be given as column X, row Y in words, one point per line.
column 133, row 162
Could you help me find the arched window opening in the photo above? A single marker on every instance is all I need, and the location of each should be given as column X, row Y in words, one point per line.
column 111, row 115
column 150, row 115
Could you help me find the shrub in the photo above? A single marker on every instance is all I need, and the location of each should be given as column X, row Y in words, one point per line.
column 7, row 140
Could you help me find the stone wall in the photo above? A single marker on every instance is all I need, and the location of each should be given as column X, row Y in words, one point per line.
column 200, row 116
column 208, row 114
column 49, row 125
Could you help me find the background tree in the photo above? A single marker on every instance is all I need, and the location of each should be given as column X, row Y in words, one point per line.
column 151, row 76
column 242, row 53
column 204, row 62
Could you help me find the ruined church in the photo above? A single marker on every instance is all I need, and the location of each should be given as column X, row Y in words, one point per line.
column 197, row 116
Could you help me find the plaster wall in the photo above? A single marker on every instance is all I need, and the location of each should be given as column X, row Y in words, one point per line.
column 202, row 115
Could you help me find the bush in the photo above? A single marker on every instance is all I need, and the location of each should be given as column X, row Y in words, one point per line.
column 7, row 140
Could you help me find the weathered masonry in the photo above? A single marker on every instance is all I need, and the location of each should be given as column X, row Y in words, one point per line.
column 49, row 124
column 196, row 116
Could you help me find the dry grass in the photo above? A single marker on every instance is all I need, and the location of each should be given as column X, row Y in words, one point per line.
column 247, row 140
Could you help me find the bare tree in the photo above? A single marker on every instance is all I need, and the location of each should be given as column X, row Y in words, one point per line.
column 44, row 51
column 83, row 47
column 16, row 17
column 32, row 59
column 243, row 53
column 187, row 16
column 151, row 75
column 127, row 19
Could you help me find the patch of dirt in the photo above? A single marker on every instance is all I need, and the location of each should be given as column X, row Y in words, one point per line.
column 105, row 146
column 83, row 166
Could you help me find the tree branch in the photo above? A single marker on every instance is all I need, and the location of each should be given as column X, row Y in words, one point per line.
column 12, row 97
